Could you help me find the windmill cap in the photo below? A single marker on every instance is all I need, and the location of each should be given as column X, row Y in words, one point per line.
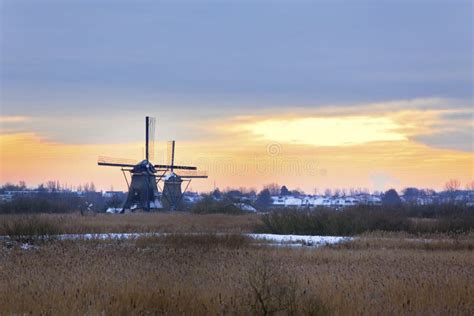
column 144, row 166
column 172, row 177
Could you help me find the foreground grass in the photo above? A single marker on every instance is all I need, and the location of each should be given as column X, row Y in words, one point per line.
column 378, row 273
column 130, row 223
column 361, row 219
column 211, row 274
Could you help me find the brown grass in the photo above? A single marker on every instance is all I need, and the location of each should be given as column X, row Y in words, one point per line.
column 143, row 222
column 402, row 240
column 29, row 228
column 210, row 274
column 203, row 241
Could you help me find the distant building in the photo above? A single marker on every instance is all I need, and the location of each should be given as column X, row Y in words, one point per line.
column 22, row 192
column 192, row 197
column 311, row 201
column 111, row 194
column 6, row 197
column 287, row 201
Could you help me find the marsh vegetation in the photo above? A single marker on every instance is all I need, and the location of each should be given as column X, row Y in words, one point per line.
column 215, row 273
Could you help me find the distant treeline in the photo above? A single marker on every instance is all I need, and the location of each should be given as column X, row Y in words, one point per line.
column 209, row 205
column 360, row 219
column 53, row 202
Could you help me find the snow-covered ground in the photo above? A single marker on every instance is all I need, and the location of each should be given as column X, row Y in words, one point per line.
column 270, row 239
column 304, row 240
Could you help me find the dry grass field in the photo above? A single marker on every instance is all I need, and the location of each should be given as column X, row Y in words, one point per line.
column 378, row 273
column 143, row 222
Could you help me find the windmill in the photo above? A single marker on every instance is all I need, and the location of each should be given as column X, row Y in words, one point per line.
column 142, row 189
column 173, row 178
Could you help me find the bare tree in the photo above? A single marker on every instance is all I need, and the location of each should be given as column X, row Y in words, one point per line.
column 452, row 185
column 429, row 192
column 51, row 185
column 22, row 185
column 274, row 188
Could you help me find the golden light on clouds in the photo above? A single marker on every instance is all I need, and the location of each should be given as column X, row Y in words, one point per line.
column 327, row 131
column 376, row 165
column 302, row 150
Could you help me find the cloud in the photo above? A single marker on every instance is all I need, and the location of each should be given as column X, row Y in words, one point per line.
column 459, row 139
column 327, row 131
column 14, row 124
column 13, row 119
column 437, row 122
column 325, row 147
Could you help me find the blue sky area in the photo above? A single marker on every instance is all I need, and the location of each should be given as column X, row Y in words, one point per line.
column 197, row 60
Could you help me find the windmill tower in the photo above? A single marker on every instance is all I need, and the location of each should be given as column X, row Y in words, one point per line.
column 173, row 178
column 143, row 190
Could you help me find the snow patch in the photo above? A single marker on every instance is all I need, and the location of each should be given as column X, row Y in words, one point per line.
column 271, row 239
column 304, row 240
column 27, row 246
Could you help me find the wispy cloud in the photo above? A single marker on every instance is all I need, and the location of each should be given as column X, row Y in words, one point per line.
column 436, row 122
column 13, row 119
column 327, row 131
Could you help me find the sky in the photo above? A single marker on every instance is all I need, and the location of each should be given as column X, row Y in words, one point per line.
column 311, row 94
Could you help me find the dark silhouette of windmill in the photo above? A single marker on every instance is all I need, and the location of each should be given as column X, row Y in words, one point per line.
column 172, row 179
column 142, row 189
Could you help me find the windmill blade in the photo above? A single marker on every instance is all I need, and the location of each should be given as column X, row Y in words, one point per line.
column 189, row 174
column 168, row 167
column 170, row 150
column 116, row 162
column 150, row 138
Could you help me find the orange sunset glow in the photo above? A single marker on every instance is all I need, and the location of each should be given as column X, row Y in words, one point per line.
column 312, row 153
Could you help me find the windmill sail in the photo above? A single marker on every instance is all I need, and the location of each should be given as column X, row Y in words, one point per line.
column 171, row 147
column 190, row 174
column 150, row 138
column 170, row 160
column 168, row 167
column 116, row 162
